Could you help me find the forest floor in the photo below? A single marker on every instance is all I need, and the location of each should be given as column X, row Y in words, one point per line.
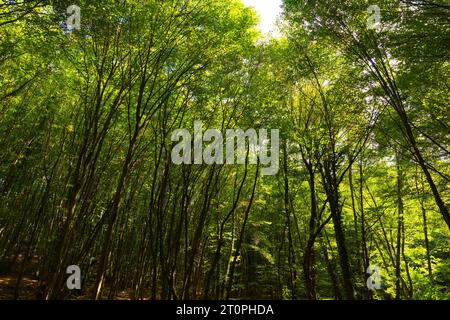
column 29, row 286
column 29, row 289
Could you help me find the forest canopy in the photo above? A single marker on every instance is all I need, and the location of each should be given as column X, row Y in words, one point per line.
column 353, row 99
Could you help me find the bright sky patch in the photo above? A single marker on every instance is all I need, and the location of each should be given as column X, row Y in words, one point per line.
column 268, row 10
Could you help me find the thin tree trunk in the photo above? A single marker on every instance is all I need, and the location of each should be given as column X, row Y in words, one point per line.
column 400, row 209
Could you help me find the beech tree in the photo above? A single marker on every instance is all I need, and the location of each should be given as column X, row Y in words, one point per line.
column 87, row 177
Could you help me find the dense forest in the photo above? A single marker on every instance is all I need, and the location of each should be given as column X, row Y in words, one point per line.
column 359, row 205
